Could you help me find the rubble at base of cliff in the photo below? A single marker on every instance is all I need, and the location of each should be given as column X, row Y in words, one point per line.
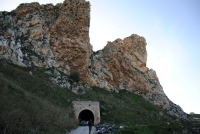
column 64, row 82
column 106, row 128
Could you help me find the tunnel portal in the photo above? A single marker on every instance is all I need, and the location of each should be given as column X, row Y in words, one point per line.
column 87, row 110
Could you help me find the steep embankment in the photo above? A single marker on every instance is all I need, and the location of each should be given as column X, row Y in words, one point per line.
column 31, row 103
column 57, row 36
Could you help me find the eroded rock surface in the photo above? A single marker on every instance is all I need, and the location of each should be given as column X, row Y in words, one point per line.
column 47, row 36
column 58, row 37
column 122, row 65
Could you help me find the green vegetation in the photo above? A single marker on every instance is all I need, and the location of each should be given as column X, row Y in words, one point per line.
column 75, row 76
column 196, row 117
column 32, row 104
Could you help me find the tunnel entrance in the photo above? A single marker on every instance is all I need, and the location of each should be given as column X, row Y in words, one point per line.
column 86, row 115
column 87, row 110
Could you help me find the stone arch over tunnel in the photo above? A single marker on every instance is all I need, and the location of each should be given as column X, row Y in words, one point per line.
column 86, row 110
column 86, row 115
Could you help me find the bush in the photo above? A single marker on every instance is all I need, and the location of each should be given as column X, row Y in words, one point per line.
column 75, row 76
column 80, row 90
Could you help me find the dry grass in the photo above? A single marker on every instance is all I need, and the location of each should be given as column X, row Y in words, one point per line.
column 25, row 111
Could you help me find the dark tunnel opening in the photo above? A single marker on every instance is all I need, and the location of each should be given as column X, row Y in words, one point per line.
column 85, row 115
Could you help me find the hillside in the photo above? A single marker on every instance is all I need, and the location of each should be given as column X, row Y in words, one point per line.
column 41, row 46
column 196, row 117
column 31, row 103
column 49, row 36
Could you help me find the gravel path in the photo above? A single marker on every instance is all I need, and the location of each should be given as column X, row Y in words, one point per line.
column 82, row 130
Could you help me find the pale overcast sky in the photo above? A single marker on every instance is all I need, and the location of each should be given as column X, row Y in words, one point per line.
column 172, row 32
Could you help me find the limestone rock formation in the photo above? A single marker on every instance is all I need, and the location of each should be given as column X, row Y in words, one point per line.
column 58, row 37
column 122, row 65
column 47, row 36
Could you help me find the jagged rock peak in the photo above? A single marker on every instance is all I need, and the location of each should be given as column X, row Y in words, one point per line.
column 48, row 36
column 122, row 65
column 132, row 47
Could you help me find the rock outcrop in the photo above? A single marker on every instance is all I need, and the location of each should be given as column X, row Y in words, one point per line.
column 47, row 36
column 58, row 37
column 122, row 65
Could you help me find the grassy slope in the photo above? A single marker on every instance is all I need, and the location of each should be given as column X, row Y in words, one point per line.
column 196, row 117
column 32, row 104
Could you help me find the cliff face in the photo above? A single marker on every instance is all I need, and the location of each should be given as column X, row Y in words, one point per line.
column 122, row 65
column 58, row 37
column 47, row 36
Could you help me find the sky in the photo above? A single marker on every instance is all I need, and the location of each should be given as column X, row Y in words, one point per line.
column 172, row 32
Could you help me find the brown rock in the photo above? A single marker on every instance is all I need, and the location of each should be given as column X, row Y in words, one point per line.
column 58, row 35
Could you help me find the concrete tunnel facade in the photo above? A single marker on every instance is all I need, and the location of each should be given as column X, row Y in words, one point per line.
column 86, row 110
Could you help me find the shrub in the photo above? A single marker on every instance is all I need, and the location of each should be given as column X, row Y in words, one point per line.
column 75, row 76
column 80, row 90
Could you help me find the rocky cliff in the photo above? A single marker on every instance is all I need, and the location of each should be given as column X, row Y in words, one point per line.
column 58, row 37
column 47, row 36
